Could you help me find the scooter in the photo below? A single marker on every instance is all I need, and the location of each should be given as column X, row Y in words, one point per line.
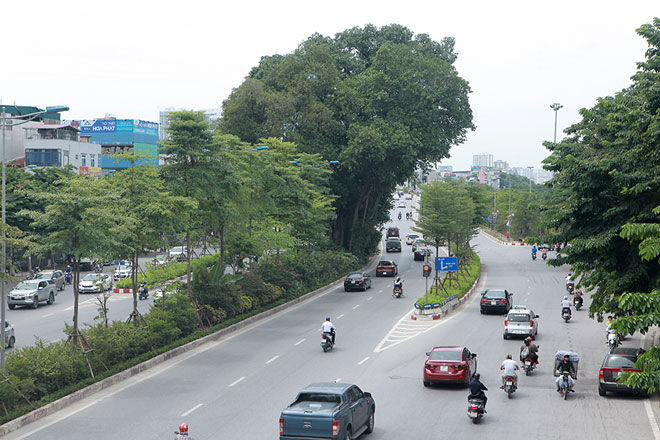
column 566, row 314
column 326, row 342
column 509, row 387
column 476, row 409
column 564, row 388
column 528, row 364
column 544, row 256
column 533, row 256
column 612, row 340
column 143, row 291
column 577, row 302
column 399, row 216
column 570, row 287
column 67, row 277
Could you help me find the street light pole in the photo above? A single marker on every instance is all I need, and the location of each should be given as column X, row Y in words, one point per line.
column 530, row 179
column 556, row 106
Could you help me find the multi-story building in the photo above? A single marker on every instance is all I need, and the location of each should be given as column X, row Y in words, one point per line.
column 502, row 165
column 212, row 115
column 60, row 145
column 117, row 136
column 483, row 160
column 15, row 136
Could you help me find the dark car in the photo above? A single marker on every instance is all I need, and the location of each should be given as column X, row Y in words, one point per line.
column 449, row 364
column 387, row 268
column 393, row 244
column 420, row 254
column 392, row 231
column 496, row 300
column 357, row 281
column 619, row 360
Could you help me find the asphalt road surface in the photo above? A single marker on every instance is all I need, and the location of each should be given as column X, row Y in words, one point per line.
column 236, row 387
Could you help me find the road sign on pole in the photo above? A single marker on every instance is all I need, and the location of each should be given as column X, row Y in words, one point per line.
column 446, row 264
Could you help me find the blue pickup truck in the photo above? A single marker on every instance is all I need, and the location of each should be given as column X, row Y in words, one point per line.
column 328, row 410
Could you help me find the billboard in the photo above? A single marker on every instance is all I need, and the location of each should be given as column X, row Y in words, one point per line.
column 98, row 125
column 91, row 126
column 90, row 171
column 125, row 125
column 145, row 127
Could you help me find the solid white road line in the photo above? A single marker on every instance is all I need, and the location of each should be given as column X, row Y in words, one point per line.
column 363, row 360
column 356, row 306
column 300, row 342
column 340, row 316
column 236, row 381
column 652, row 420
column 272, row 359
column 191, row 410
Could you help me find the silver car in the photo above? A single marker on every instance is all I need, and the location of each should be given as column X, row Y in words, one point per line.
column 124, row 271
column 10, row 339
column 95, row 283
column 56, row 275
column 31, row 293
column 521, row 321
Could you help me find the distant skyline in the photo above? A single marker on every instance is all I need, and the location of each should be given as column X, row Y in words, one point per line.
column 133, row 59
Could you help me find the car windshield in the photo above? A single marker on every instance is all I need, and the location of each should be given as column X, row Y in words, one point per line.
column 318, row 397
column 393, row 239
column 92, row 277
column 619, row 362
column 494, row 294
column 43, row 276
column 26, row 286
column 518, row 317
column 439, row 355
column 177, row 250
column 355, row 275
column 386, row 263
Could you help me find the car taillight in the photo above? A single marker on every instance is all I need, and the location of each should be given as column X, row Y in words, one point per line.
column 360, row 280
column 281, row 426
column 502, row 301
column 600, row 374
column 483, row 301
column 506, row 322
column 531, row 322
column 335, row 428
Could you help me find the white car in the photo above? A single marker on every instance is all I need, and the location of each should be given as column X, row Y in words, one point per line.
column 521, row 321
column 124, row 271
column 410, row 238
column 402, row 205
column 178, row 253
column 95, row 283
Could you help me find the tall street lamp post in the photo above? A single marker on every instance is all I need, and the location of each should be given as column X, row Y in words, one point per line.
column 556, row 106
column 530, row 178
column 11, row 121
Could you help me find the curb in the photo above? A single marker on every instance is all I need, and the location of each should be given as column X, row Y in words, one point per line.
column 79, row 395
column 502, row 242
column 157, row 286
column 444, row 311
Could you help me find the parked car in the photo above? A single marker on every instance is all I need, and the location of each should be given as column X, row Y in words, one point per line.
column 619, row 360
column 410, row 238
column 393, row 244
column 95, row 283
column 10, row 338
column 521, row 321
column 496, row 300
column 123, row 271
column 178, row 253
column 56, row 275
column 31, row 293
column 418, row 242
column 357, row 281
column 409, row 196
column 449, row 364
column 401, row 205
column 159, row 260
column 421, row 253
column 328, row 410
column 387, row 268
column 392, row 231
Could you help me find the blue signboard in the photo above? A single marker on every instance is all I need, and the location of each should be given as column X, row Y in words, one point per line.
column 446, row 264
column 146, row 127
column 125, row 125
column 97, row 126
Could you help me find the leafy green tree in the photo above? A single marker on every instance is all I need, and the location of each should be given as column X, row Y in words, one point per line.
column 382, row 101
column 607, row 169
column 78, row 220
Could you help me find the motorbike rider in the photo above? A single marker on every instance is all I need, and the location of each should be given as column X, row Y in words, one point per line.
column 398, row 284
column 182, row 433
column 577, row 299
column 568, row 280
column 544, row 254
column 534, row 250
column 610, row 318
column 509, row 366
column 565, row 365
column 477, row 389
column 407, row 216
column 329, row 327
column 529, row 348
column 566, row 305
column 399, row 215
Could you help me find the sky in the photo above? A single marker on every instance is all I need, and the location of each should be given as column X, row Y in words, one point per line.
column 131, row 59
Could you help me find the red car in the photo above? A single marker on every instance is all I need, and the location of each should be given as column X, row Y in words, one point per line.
column 449, row 364
column 387, row 268
column 392, row 231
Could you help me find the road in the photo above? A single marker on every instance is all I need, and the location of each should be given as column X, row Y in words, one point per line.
column 236, row 387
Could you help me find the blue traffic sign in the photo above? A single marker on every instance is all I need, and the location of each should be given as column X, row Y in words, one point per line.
column 446, row 264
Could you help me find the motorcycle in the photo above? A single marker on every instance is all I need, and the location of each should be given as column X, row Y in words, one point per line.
column 570, row 287
column 398, row 292
column 577, row 302
column 509, row 387
column 326, row 342
column 528, row 364
column 399, row 216
column 544, row 256
column 612, row 339
column 143, row 291
column 533, row 256
column 564, row 388
column 476, row 409
column 67, row 277
column 566, row 314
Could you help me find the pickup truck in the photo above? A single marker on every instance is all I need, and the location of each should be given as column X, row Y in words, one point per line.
column 328, row 410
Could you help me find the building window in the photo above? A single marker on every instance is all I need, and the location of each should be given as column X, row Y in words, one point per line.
column 83, row 160
column 91, row 160
column 43, row 157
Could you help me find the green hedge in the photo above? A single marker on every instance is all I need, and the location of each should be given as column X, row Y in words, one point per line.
column 168, row 271
column 438, row 295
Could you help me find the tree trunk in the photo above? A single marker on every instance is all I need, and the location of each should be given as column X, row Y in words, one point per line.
column 222, row 244
column 76, row 277
column 188, row 270
column 134, row 289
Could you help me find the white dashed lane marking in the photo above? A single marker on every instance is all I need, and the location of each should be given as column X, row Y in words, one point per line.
column 340, row 316
column 363, row 360
column 192, row 409
column 236, row 381
column 355, row 307
column 300, row 342
column 272, row 359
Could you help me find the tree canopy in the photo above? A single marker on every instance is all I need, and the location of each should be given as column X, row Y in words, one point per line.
column 381, row 101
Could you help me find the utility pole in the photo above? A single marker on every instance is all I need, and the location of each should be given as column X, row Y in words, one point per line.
column 508, row 221
column 556, row 106
column 530, row 178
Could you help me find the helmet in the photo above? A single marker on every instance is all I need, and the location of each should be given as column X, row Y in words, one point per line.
column 476, row 376
column 327, row 319
column 528, row 339
column 183, row 427
column 508, row 356
column 565, row 297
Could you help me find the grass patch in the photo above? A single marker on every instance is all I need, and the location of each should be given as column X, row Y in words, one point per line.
column 460, row 289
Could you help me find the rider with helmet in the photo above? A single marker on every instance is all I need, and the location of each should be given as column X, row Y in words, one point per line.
column 182, row 433
column 529, row 349
column 566, row 305
column 477, row 389
column 329, row 328
column 565, row 366
column 398, row 284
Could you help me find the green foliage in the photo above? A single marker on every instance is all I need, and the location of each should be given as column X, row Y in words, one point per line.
column 168, row 271
column 380, row 101
column 437, row 294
